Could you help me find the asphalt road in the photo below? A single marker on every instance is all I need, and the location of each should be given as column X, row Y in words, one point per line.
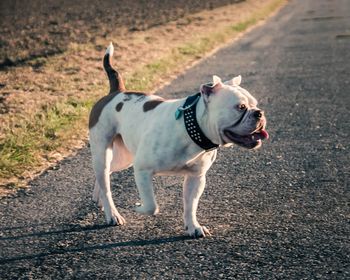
column 281, row 212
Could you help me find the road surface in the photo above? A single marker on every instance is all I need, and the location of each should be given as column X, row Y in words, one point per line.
column 281, row 212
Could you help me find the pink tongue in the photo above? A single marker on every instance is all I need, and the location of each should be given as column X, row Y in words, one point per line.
column 264, row 134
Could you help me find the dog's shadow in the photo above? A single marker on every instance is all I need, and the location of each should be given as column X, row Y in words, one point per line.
column 55, row 235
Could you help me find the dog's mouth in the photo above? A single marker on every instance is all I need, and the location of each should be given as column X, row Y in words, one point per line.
column 250, row 141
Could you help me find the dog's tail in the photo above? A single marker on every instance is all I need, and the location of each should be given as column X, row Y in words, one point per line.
column 116, row 82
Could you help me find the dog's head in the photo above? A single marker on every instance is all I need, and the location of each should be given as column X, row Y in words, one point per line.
column 233, row 113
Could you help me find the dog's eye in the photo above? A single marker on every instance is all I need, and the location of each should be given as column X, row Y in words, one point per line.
column 242, row 107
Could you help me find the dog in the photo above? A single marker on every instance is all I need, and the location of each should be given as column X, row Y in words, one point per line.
column 160, row 136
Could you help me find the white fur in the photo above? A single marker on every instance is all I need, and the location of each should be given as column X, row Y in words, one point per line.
column 110, row 49
column 216, row 80
column 155, row 143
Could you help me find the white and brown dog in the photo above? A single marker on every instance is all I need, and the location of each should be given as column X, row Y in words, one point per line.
column 161, row 137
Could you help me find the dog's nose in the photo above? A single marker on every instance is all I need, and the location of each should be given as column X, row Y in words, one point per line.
column 258, row 114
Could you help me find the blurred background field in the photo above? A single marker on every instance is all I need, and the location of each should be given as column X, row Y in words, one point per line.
column 35, row 28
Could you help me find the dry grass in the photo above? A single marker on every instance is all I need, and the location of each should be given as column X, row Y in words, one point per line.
column 47, row 101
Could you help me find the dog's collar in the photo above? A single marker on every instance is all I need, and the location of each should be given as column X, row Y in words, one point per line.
column 192, row 127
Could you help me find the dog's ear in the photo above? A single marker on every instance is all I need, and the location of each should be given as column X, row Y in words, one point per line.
column 211, row 88
column 236, row 81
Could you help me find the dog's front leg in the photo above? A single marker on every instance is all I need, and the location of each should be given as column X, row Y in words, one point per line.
column 193, row 188
column 144, row 184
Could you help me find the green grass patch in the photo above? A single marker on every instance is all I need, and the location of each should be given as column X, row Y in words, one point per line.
column 37, row 136
column 244, row 25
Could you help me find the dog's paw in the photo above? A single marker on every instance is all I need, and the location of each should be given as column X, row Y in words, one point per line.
column 147, row 210
column 197, row 232
column 115, row 219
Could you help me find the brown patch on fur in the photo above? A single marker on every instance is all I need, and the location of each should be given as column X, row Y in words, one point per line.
column 119, row 106
column 98, row 107
column 150, row 105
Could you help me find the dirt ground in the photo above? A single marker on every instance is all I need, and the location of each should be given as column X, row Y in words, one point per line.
column 36, row 28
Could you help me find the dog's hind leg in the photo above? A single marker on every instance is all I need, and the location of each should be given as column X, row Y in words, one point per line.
column 122, row 159
column 102, row 158
column 144, row 185
column 96, row 194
